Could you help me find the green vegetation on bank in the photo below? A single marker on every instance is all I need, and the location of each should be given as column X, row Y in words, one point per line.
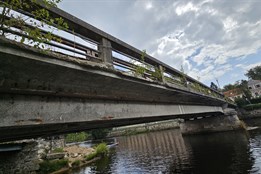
column 51, row 166
column 100, row 150
column 58, row 150
column 76, row 137
column 252, row 106
column 99, row 133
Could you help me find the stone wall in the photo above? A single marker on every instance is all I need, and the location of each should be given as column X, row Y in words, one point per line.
column 243, row 114
column 26, row 161
column 146, row 127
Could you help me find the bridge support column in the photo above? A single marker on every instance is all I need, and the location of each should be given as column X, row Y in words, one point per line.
column 211, row 124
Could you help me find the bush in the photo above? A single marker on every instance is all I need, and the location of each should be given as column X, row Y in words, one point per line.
column 255, row 100
column 241, row 102
column 51, row 166
column 102, row 149
column 99, row 133
column 76, row 137
column 252, row 106
column 91, row 156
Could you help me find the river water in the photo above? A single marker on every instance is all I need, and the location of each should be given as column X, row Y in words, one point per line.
column 170, row 152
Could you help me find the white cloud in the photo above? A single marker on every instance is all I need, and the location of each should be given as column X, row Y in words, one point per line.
column 248, row 67
column 180, row 10
column 203, row 36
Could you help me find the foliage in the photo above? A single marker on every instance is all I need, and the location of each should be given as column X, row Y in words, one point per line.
column 241, row 102
column 76, row 137
column 242, row 86
column 76, row 163
column 255, row 100
column 157, row 74
column 91, row 156
column 29, row 27
column 58, row 150
column 141, row 69
column 254, row 73
column 252, row 106
column 99, row 133
column 102, row 149
column 230, row 87
column 51, row 166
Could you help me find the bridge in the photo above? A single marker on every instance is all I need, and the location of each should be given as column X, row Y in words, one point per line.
column 90, row 79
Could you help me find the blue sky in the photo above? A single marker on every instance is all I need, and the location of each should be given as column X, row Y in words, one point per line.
column 210, row 39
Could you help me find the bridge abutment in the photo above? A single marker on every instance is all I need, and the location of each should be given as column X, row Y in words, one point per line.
column 219, row 123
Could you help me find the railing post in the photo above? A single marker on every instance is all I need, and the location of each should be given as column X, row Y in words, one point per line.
column 105, row 51
column 161, row 73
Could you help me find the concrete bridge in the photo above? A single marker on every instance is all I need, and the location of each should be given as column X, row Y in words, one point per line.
column 81, row 86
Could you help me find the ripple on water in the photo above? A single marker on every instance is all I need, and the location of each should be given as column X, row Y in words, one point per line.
column 169, row 152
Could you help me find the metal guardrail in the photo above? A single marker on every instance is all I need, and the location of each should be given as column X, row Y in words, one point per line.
column 100, row 46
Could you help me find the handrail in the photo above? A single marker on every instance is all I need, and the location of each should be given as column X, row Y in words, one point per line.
column 107, row 43
column 85, row 29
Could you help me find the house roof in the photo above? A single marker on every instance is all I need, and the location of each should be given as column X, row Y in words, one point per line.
column 233, row 92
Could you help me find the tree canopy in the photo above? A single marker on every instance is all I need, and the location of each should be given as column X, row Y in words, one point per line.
column 254, row 73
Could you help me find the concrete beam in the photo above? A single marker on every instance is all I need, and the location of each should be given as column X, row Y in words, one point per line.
column 27, row 116
column 27, row 110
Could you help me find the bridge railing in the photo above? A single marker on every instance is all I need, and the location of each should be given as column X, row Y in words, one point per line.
column 84, row 41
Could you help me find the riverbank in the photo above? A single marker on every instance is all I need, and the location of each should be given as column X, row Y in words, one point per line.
column 143, row 128
column 71, row 157
column 248, row 114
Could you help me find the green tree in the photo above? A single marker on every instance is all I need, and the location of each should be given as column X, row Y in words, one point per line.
column 26, row 29
column 99, row 133
column 254, row 73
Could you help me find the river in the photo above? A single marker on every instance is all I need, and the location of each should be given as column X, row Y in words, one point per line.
column 170, row 152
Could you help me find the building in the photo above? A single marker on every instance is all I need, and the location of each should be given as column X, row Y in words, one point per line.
column 255, row 88
column 234, row 93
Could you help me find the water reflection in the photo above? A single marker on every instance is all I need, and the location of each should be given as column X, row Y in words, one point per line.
column 169, row 152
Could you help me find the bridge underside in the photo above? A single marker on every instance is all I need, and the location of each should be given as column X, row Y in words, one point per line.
column 26, row 116
column 45, row 95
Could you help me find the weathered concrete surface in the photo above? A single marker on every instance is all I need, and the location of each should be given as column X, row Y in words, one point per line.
column 30, row 116
column 211, row 124
column 44, row 94
column 23, row 70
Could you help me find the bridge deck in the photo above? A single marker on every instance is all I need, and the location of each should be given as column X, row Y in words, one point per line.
column 47, row 95
column 84, row 87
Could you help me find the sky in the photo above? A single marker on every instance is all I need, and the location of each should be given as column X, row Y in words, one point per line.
column 211, row 39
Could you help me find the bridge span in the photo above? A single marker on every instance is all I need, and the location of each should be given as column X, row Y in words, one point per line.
column 77, row 87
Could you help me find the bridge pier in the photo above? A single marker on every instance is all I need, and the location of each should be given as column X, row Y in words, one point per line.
column 227, row 122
